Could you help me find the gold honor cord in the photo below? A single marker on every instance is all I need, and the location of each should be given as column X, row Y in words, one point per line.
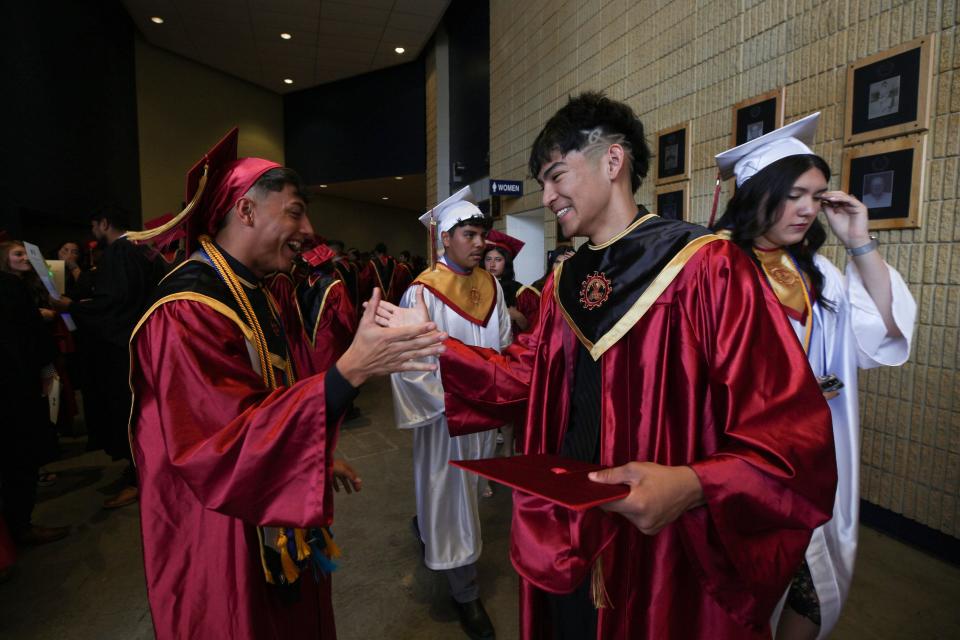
column 269, row 379
column 240, row 296
column 149, row 234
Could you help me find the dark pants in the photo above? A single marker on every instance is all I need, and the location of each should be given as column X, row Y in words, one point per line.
column 573, row 615
column 114, row 396
column 20, row 445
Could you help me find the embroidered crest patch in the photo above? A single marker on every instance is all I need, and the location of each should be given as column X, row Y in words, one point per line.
column 475, row 296
column 595, row 290
column 783, row 276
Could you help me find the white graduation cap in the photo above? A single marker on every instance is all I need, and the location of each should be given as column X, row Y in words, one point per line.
column 750, row 157
column 443, row 217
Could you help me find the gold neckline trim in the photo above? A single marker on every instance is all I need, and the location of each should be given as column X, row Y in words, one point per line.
column 632, row 226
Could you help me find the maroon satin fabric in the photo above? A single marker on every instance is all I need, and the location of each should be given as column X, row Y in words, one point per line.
column 8, row 551
column 400, row 282
column 528, row 303
column 335, row 330
column 366, row 281
column 218, row 454
column 712, row 377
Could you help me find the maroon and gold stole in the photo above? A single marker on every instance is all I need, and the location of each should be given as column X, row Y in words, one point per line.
column 791, row 286
column 472, row 296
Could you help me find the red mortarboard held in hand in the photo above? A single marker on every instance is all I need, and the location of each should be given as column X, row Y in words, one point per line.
column 214, row 184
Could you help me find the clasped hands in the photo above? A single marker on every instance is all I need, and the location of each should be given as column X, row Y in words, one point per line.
column 380, row 348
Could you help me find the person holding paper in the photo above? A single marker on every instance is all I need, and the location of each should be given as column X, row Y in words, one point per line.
column 660, row 354
column 467, row 303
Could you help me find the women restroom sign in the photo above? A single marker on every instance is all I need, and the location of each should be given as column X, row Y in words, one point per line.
column 510, row 188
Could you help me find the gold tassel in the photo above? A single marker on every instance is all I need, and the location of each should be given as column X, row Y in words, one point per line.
column 147, row 234
column 290, row 570
column 598, row 590
column 303, row 549
column 333, row 551
column 433, row 241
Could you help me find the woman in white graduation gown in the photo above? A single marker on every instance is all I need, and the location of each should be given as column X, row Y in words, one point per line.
column 859, row 319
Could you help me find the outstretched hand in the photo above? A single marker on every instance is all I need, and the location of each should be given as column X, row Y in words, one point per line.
column 379, row 349
column 658, row 494
column 345, row 476
column 390, row 315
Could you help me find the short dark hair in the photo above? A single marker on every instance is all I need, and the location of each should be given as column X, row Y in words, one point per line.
column 116, row 216
column 380, row 248
column 335, row 244
column 277, row 179
column 588, row 119
column 405, row 254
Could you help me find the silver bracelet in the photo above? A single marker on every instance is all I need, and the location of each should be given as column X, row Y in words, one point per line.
column 866, row 248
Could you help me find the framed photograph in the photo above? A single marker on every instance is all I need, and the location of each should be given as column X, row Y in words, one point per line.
column 673, row 153
column 888, row 93
column 756, row 116
column 887, row 177
column 673, row 201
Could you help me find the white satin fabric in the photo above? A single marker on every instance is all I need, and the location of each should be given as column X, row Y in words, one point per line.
column 447, row 509
column 850, row 337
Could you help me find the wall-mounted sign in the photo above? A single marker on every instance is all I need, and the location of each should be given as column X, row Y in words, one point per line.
column 512, row 188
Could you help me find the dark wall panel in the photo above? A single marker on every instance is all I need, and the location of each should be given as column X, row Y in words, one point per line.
column 468, row 28
column 70, row 116
column 368, row 126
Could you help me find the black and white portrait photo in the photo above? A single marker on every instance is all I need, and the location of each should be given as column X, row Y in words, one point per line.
column 884, row 98
column 878, row 189
column 671, row 156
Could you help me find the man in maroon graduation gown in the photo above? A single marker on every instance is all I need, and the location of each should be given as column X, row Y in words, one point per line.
column 657, row 352
column 233, row 453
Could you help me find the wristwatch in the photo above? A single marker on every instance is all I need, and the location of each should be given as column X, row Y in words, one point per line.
column 862, row 249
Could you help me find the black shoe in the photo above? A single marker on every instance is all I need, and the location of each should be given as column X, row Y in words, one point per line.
column 415, row 525
column 474, row 620
column 41, row 535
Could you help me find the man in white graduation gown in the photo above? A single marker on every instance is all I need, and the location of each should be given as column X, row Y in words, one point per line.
column 467, row 303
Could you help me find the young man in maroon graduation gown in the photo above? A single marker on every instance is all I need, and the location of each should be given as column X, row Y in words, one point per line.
column 658, row 353
column 233, row 452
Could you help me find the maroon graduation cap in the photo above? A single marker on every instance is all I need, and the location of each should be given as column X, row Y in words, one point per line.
column 214, row 184
column 503, row 241
column 560, row 480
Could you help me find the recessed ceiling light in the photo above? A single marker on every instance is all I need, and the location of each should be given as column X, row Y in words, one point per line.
column 156, row 20
column 399, row 49
column 287, row 81
column 398, row 178
column 323, row 186
column 285, row 36
column 384, row 198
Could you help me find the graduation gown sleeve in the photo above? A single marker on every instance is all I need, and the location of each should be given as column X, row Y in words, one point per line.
column 528, row 303
column 242, row 450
